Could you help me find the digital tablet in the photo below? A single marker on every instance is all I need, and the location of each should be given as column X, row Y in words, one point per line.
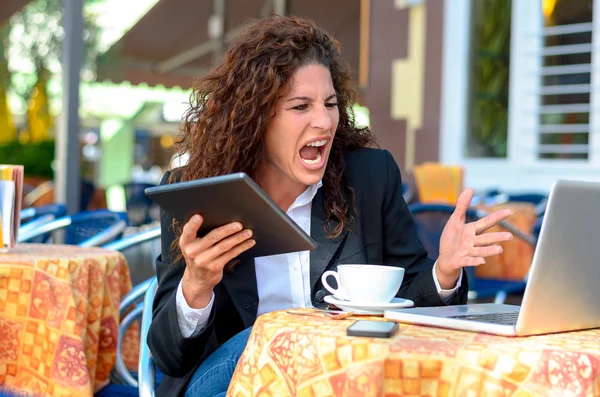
column 233, row 198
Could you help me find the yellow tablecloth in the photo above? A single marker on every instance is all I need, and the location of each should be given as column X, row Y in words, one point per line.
column 295, row 355
column 59, row 318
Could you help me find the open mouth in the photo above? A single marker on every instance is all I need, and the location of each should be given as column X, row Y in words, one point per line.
column 313, row 153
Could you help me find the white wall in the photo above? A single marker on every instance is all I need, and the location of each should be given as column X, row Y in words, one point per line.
column 521, row 170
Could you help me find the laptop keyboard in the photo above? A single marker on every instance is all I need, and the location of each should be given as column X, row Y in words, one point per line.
column 494, row 318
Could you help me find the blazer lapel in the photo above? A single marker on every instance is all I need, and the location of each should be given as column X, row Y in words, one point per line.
column 326, row 247
column 241, row 285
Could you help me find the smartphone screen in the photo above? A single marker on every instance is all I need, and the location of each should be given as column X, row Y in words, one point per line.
column 374, row 329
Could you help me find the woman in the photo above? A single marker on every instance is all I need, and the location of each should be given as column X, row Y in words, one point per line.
column 277, row 108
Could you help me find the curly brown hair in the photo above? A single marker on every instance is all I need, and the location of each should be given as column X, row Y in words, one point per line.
column 223, row 131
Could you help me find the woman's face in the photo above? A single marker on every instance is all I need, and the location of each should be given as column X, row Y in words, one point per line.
column 299, row 138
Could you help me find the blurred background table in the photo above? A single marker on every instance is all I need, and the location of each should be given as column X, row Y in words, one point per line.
column 59, row 318
column 297, row 355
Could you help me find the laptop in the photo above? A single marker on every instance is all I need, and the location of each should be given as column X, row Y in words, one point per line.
column 562, row 292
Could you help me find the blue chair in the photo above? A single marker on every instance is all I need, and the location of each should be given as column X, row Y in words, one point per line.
column 138, row 204
column 148, row 376
column 540, row 200
column 430, row 220
column 141, row 309
column 34, row 217
column 86, row 229
column 35, row 224
column 133, row 240
column 533, row 198
column 32, row 213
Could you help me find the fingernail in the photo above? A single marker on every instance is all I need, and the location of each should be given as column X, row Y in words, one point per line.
column 197, row 218
column 238, row 226
column 248, row 233
column 483, row 262
column 511, row 212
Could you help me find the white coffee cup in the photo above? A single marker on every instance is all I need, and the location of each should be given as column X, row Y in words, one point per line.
column 365, row 283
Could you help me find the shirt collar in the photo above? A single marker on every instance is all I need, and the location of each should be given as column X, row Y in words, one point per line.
column 307, row 196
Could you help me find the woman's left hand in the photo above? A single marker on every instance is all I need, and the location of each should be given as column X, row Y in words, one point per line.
column 464, row 244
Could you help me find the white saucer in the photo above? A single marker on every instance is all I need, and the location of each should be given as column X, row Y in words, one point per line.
column 368, row 308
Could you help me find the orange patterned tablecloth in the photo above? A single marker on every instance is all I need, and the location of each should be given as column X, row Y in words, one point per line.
column 295, row 355
column 515, row 261
column 59, row 318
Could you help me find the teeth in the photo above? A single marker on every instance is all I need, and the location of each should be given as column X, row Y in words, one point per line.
column 317, row 160
column 318, row 143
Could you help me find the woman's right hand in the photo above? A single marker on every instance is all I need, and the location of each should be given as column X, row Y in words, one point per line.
column 206, row 257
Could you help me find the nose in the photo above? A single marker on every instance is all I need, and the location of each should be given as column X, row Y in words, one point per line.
column 322, row 118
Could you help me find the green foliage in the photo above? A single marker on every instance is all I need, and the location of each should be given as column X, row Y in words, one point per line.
column 36, row 157
column 491, row 42
column 35, row 34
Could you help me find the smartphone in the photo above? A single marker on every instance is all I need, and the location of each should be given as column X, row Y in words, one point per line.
column 374, row 329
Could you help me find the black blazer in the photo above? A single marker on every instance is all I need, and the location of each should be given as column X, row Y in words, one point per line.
column 382, row 233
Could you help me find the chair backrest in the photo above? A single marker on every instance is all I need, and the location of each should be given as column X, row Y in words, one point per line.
column 538, row 199
column 89, row 224
column 34, row 217
column 438, row 183
column 87, row 228
column 132, row 298
column 31, row 213
column 133, row 240
column 146, row 370
column 146, row 381
column 32, row 225
column 533, row 198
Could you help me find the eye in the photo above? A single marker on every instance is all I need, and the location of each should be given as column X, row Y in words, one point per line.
column 301, row 107
column 331, row 104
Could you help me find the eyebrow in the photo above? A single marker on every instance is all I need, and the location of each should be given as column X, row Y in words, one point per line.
column 305, row 98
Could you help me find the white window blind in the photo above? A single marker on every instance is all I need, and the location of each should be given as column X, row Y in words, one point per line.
column 565, row 92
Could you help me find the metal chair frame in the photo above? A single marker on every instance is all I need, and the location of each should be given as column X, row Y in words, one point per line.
column 103, row 237
column 145, row 290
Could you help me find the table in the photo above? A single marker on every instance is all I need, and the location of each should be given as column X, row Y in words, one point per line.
column 515, row 261
column 296, row 355
column 59, row 318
